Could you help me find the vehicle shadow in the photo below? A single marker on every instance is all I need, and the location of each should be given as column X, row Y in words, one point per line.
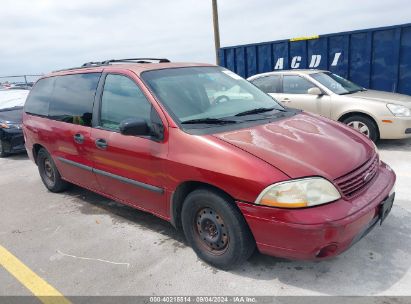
column 395, row 144
column 17, row 156
column 92, row 203
column 370, row 267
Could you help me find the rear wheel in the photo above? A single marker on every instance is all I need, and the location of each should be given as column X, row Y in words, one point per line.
column 2, row 153
column 363, row 125
column 48, row 172
column 216, row 229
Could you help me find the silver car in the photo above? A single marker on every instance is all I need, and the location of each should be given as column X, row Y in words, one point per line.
column 376, row 114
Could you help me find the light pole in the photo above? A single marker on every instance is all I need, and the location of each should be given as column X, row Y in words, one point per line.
column 216, row 31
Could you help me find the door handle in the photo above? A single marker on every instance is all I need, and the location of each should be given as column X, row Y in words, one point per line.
column 78, row 138
column 101, row 143
column 285, row 100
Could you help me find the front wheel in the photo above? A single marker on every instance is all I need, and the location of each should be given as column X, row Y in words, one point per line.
column 216, row 229
column 48, row 172
column 363, row 125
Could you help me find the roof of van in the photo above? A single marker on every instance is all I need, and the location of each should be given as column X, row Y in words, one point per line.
column 138, row 68
column 286, row 72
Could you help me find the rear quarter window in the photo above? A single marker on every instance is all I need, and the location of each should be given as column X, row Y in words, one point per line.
column 268, row 84
column 73, row 98
column 37, row 102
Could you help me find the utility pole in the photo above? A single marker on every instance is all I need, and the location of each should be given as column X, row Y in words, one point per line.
column 216, row 32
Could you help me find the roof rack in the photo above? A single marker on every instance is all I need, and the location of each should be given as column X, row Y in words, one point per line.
column 136, row 60
column 110, row 61
column 83, row 66
column 91, row 64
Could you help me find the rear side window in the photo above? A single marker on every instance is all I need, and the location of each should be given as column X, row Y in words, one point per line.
column 39, row 98
column 73, row 98
column 122, row 99
column 293, row 84
column 268, row 84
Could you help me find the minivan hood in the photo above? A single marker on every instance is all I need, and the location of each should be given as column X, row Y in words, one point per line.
column 304, row 145
column 382, row 96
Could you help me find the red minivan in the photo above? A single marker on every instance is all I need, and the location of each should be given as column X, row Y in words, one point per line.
column 199, row 146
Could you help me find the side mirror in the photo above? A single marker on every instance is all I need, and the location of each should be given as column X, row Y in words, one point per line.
column 315, row 91
column 134, row 126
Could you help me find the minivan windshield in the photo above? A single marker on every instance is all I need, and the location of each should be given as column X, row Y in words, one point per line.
column 209, row 95
column 337, row 84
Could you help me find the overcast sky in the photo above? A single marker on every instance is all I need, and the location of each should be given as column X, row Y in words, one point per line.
column 37, row 36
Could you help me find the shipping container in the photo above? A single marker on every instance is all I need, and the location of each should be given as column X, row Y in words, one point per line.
column 377, row 58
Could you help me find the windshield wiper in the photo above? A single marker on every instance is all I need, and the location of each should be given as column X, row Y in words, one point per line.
column 353, row 91
column 208, row 120
column 256, row 111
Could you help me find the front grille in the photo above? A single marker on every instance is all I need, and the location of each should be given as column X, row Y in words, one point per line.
column 353, row 182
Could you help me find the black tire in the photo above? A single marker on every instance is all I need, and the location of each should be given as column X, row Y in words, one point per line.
column 2, row 153
column 227, row 228
column 49, row 174
column 368, row 122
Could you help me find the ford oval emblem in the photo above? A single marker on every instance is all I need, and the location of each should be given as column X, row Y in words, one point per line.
column 367, row 177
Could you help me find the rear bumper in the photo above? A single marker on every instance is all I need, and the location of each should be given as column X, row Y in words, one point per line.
column 13, row 140
column 400, row 127
column 309, row 233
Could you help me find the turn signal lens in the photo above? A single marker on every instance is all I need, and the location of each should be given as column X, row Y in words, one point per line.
column 300, row 193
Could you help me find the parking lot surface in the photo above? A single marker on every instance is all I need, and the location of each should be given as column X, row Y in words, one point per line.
column 84, row 244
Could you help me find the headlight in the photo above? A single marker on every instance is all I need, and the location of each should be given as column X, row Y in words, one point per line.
column 7, row 125
column 299, row 193
column 398, row 110
column 3, row 125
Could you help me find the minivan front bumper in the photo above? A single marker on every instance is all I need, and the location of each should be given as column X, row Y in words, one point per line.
column 322, row 231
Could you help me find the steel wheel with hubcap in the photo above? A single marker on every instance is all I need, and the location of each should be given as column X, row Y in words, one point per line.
column 49, row 173
column 364, row 125
column 360, row 127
